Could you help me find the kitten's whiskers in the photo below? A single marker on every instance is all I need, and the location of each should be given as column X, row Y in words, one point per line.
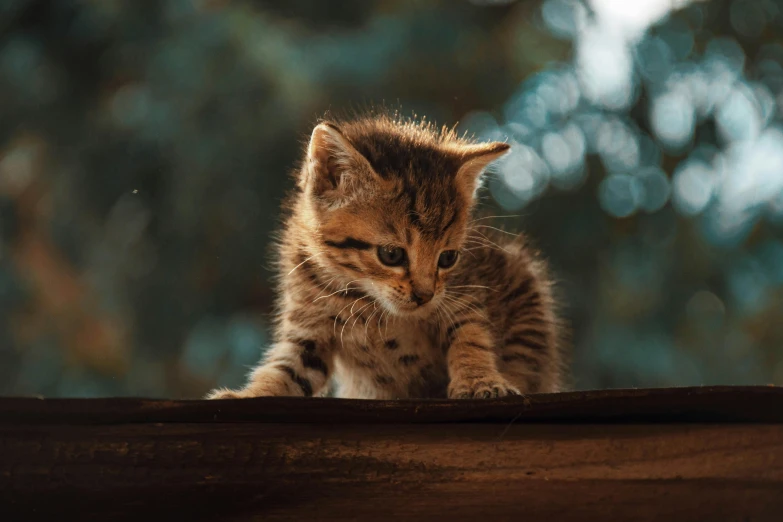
column 463, row 303
column 349, row 318
column 480, row 244
column 325, row 286
column 493, row 217
column 475, row 286
column 495, row 228
column 337, row 316
column 346, row 289
column 359, row 315
column 485, row 241
column 303, row 262
column 375, row 310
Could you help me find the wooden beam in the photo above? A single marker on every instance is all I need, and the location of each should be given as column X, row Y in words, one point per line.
column 675, row 454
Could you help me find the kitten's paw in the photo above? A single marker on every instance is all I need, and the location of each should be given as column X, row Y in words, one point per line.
column 481, row 389
column 225, row 393
column 264, row 383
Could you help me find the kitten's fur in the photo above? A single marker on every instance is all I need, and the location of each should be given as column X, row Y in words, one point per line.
column 489, row 330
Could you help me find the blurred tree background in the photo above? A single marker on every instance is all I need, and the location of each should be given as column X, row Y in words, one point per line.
column 145, row 147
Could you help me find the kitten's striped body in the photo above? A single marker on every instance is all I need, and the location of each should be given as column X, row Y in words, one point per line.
column 387, row 328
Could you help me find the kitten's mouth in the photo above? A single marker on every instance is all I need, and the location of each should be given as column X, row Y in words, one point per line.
column 408, row 308
column 411, row 309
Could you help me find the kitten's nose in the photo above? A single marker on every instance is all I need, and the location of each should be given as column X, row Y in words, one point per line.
column 421, row 297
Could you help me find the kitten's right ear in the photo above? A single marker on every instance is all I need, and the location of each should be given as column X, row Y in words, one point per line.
column 334, row 167
column 475, row 158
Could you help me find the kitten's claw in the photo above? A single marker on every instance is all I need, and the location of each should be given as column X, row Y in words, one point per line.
column 481, row 389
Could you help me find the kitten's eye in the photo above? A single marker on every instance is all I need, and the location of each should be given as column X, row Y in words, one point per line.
column 391, row 256
column 448, row 258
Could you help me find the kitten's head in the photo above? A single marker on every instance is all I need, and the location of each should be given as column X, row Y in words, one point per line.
column 390, row 204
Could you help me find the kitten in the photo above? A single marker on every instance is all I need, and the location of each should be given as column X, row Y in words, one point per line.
column 387, row 286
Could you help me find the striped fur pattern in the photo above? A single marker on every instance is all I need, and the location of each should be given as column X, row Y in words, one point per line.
column 369, row 298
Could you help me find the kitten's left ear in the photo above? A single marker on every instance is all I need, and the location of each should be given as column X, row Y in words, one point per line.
column 475, row 159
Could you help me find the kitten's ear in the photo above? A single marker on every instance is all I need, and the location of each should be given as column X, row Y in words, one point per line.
column 475, row 158
column 334, row 167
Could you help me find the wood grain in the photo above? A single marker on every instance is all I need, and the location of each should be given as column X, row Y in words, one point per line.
column 323, row 459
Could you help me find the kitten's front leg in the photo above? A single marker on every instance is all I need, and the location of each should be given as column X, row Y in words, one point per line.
column 472, row 361
column 299, row 365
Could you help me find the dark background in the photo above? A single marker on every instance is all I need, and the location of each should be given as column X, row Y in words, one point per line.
column 145, row 147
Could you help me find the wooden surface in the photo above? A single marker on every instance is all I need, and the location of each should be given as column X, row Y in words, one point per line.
column 674, row 454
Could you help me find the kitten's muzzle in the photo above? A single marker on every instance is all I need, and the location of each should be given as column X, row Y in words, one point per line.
column 421, row 297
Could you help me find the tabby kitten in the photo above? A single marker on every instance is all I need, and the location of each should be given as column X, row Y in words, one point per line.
column 387, row 286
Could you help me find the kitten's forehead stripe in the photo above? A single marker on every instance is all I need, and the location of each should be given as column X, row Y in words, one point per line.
column 425, row 172
column 397, row 155
column 450, row 222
